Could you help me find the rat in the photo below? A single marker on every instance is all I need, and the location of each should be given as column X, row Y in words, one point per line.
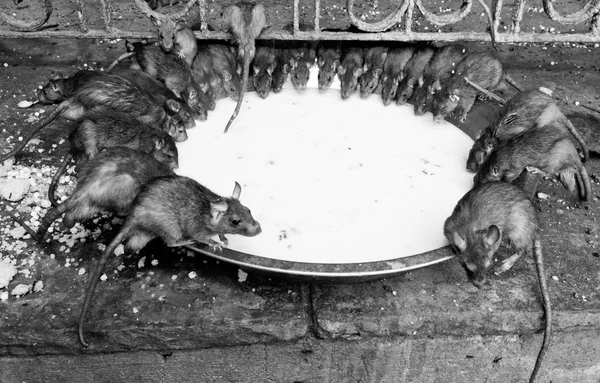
column 263, row 66
column 282, row 68
column 60, row 87
column 245, row 21
column 99, row 131
column 206, row 76
column 329, row 54
column 413, row 70
column 481, row 68
column 225, row 66
column 174, row 72
column 521, row 112
column 108, row 93
column 436, row 73
column 393, row 71
column 160, row 94
column 173, row 34
column 108, row 182
column 301, row 58
column 350, row 69
column 482, row 219
column 546, row 149
column 191, row 213
column 374, row 61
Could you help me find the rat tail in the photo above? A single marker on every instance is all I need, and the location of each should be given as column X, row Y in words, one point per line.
column 25, row 226
column 512, row 82
column 119, row 59
column 245, row 71
column 51, row 117
column 488, row 13
column 575, row 133
column 61, row 169
column 49, row 218
column 89, row 293
column 539, row 265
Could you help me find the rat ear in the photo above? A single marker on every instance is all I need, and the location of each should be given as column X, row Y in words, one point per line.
column 286, row 68
column 308, row 64
column 179, row 25
column 320, row 61
column 491, row 236
column 478, row 135
column 173, row 105
column 159, row 143
column 205, row 87
column 255, row 69
column 377, row 73
column 227, row 76
column 459, row 241
column 365, row 68
column 357, row 72
column 436, row 85
column 293, row 63
column 421, row 81
column 270, row 69
column 237, row 190
column 410, row 82
column 495, row 171
column 479, row 157
column 335, row 64
column 341, row 70
column 217, row 210
column 54, row 86
column 156, row 21
column 383, row 56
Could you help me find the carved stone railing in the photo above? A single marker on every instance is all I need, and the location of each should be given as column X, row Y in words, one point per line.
column 387, row 29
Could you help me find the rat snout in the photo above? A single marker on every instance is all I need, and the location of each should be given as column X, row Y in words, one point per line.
column 254, row 229
column 438, row 118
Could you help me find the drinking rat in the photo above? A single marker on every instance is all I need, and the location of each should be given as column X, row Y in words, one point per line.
column 436, row 73
column 485, row 216
column 480, row 68
column 374, row 61
column 546, row 149
column 174, row 72
column 412, row 72
column 179, row 211
column 108, row 182
column 225, row 66
column 329, row 54
column 206, row 76
column 520, row 113
column 301, row 58
column 161, row 95
column 59, row 87
column 108, row 93
column 350, row 69
column 262, row 70
column 282, row 68
column 245, row 21
column 393, row 71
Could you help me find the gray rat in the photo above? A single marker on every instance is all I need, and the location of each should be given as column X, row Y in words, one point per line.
column 107, row 93
column 480, row 68
column 301, row 58
column 545, row 148
column 436, row 73
column 520, row 113
column 393, row 71
column 225, row 66
column 484, row 217
column 282, row 68
column 350, row 69
column 263, row 66
column 374, row 61
column 179, row 211
column 329, row 54
column 413, row 71
column 245, row 21
column 108, row 182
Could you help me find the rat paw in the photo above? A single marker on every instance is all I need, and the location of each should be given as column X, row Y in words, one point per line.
column 181, row 55
column 223, row 239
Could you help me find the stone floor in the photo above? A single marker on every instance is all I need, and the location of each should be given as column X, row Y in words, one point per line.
column 158, row 324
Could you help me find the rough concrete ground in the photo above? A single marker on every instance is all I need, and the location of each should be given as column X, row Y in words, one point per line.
column 156, row 323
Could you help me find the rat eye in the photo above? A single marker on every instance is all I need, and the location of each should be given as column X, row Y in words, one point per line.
column 236, row 222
